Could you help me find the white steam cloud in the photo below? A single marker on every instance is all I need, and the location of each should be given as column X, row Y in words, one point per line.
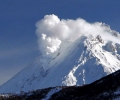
column 52, row 31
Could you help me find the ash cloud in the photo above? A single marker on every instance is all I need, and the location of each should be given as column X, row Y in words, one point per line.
column 53, row 31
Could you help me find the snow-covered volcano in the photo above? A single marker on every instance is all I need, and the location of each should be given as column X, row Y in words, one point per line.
column 76, row 62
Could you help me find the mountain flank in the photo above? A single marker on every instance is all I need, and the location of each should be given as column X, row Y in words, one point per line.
column 107, row 88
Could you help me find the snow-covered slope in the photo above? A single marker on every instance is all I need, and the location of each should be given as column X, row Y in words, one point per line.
column 106, row 88
column 75, row 63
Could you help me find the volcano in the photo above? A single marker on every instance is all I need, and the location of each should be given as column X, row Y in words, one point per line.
column 81, row 62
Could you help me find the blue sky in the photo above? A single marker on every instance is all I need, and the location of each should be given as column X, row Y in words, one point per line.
column 18, row 41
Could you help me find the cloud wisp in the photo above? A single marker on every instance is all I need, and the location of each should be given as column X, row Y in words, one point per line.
column 53, row 31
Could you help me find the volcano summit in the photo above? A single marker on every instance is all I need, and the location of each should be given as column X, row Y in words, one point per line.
column 72, row 52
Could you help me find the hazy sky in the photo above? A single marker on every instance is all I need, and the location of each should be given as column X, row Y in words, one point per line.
column 18, row 41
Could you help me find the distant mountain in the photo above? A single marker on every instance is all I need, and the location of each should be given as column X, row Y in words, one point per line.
column 83, row 61
column 107, row 88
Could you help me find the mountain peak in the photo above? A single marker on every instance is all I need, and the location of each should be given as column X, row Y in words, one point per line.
column 75, row 63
